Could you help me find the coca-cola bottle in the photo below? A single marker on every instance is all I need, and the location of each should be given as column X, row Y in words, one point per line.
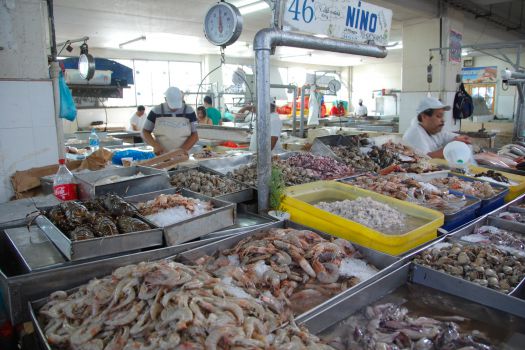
column 64, row 185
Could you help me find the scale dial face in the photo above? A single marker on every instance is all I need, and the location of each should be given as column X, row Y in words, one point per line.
column 222, row 24
column 334, row 86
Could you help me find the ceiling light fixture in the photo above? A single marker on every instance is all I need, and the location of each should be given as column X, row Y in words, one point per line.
column 253, row 7
column 140, row 38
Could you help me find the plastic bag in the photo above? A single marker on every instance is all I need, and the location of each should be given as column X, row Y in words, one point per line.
column 131, row 153
column 68, row 110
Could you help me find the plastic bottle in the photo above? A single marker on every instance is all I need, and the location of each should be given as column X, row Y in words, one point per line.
column 94, row 140
column 64, row 185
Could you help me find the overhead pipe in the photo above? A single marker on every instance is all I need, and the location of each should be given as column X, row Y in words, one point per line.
column 265, row 40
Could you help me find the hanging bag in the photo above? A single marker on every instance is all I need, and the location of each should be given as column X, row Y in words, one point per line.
column 68, row 110
column 463, row 105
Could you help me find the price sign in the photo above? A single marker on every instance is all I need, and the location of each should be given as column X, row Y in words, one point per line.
column 351, row 20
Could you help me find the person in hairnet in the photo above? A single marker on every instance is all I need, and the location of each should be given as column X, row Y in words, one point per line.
column 427, row 135
column 361, row 111
column 171, row 125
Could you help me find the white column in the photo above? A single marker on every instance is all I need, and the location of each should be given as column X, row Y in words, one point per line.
column 27, row 133
column 418, row 37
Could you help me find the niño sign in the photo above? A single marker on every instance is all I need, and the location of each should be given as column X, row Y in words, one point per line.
column 351, row 20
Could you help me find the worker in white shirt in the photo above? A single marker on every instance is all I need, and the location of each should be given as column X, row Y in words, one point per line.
column 361, row 111
column 137, row 119
column 426, row 135
column 276, row 126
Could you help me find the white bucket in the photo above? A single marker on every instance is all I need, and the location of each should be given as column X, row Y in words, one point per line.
column 458, row 154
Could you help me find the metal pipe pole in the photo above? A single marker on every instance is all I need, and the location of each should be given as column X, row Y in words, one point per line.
column 264, row 152
column 301, row 114
column 294, row 112
column 263, row 43
column 54, row 73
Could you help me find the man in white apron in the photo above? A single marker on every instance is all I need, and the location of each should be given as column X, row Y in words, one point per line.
column 171, row 125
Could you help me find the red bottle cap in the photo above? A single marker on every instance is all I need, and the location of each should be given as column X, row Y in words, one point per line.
column 61, row 161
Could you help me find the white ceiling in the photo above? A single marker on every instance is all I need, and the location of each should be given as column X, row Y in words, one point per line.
column 175, row 26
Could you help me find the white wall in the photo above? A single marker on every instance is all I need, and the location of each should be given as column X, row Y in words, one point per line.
column 27, row 132
column 22, row 35
column 371, row 77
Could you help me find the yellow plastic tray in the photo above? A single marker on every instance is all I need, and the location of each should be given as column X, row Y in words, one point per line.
column 299, row 202
column 514, row 191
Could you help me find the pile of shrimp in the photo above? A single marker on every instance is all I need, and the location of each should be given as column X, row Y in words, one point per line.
column 290, row 269
column 166, row 305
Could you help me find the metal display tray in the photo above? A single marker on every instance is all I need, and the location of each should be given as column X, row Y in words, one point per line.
column 226, row 165
column 101, row 246
column 382, row 261
column 519, row 290
column 517, row 226
column 33, row 249
column 152, row 180
column 410, row 273
column 221, row 216
column 19, row 288
column 244, row 221
column 244, row 195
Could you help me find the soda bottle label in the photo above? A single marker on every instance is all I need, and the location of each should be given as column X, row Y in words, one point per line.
column 66, row 192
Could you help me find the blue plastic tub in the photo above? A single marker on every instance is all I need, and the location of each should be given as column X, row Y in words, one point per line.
column 489, row 204
column 464, row 215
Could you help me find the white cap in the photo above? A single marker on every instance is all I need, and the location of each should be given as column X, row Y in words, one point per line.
column 431, row 103
column 173, row 97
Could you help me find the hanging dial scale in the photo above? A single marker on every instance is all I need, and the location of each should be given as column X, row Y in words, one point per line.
column 223, row 24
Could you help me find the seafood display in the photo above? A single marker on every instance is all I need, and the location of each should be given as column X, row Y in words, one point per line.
column 483, row 264
column 108, row 215
column 516, row 217
column 393, row 326
column 396, row 157
column 371, row 213
column 205, row 154
column 403, row 187
column 479, row 189
column 211, row 185
column 503, row 239
column 511, row 156
column 292, row 175
column 289, row 268
column 167, row 209
column 166, row 305
column 353, row 157
column 298, row 169
column 383, row 156
column 494, row 176
column 320, row 166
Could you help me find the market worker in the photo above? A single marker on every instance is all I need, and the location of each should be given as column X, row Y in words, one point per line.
column 427, row 135
column 171, row 125
column 137, row 119
column 339, row 110
column 361, row 111
column 212, row 112
column 276, row 126
column 202, row 118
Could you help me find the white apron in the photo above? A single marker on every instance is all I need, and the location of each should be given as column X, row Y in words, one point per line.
column 172, row 132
